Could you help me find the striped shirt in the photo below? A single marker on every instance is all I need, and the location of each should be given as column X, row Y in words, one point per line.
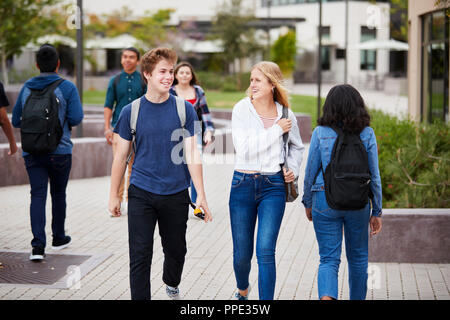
column 268, row 122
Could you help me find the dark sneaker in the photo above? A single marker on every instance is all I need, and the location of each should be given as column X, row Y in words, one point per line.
column 238, row 296
column 37, row 254
column 59, row 244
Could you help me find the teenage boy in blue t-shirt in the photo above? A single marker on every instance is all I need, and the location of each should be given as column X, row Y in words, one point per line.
column 159, row 182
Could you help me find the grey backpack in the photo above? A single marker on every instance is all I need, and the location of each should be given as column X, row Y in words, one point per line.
column 136, row 104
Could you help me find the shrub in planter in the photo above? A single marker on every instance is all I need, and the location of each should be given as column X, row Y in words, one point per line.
column 414, row 161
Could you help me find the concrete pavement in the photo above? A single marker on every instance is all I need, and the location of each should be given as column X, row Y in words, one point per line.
column 208, row 271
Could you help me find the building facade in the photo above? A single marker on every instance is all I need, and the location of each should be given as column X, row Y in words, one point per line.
column 365, row 21
column 428, row 60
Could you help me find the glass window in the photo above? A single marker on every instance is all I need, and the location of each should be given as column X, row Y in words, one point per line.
column 326, row 53
column 368, row 58
column 438, row 26
column 435, row 67
column 326, row 50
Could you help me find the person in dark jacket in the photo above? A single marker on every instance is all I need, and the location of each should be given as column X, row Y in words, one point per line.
column 55, row 166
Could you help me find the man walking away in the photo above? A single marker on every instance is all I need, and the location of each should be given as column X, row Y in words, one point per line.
column 46, row 109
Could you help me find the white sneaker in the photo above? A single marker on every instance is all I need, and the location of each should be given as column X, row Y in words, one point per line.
column 173, row 293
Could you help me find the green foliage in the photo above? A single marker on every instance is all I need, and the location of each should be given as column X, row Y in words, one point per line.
column 21, row 21
column 228, row 83
column 283, row 51
column 414, row 161
column 150, row 28
column 231, row 26
column 399, row 30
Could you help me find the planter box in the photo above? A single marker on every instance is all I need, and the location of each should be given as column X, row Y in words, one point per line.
column 91, row 157
column 412, row 236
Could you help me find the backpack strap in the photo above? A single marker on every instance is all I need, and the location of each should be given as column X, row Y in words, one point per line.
column 54, row 85
column 181, row 109
column 135, row 105
column 285, row 115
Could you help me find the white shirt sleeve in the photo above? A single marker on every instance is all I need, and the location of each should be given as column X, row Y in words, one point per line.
column 295, row 146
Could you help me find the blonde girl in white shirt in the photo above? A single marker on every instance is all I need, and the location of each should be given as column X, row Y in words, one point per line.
column 257, row 190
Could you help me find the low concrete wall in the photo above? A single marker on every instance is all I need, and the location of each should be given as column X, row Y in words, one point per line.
column 412, row 236
column 92, row 127
column 91, row 157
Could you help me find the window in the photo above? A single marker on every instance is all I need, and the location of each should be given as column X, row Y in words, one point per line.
column 286, row 2
column 435, row 66
column 326, row 50
column 340, row 53
column 368, row 58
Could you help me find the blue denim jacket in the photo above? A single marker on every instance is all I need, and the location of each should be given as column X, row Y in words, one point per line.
column 320, row 149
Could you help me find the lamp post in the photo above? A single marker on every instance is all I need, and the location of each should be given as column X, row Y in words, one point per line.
column 79, row 57
column 319, row 64
column 269, row 4
column 346, row 43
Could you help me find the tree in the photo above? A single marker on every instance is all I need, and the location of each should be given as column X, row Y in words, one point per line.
column 150, row 29
column 399, row 20
column 283, row 51
column 21, row 21
column 231, row 26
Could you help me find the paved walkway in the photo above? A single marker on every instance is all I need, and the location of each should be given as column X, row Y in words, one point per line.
column 208, row 272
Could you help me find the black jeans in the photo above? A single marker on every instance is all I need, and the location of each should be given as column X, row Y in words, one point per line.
column 171, row 213
column 41, row 170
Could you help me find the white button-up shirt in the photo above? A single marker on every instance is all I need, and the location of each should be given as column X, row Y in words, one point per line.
column 259, row 149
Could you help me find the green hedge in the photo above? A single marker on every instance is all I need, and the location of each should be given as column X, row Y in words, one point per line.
column 227, row 83
column 414, row 161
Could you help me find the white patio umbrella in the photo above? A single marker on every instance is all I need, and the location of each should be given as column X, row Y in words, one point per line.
column 52, row 39
column 119, row 42
column 391, row 44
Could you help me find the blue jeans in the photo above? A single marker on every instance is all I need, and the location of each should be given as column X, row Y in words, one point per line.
column 41, row 170
column 262, row 197
column 329, row 226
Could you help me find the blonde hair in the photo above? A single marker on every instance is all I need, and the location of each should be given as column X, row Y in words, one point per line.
column 273, row 73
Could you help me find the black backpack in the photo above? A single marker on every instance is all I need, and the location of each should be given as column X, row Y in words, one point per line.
column 40, row 129
column 347, row 176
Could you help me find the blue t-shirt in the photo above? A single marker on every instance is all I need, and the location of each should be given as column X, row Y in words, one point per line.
column 158, row 167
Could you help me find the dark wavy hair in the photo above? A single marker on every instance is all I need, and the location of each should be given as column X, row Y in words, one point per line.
column 344, row 107
column 194, row 79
